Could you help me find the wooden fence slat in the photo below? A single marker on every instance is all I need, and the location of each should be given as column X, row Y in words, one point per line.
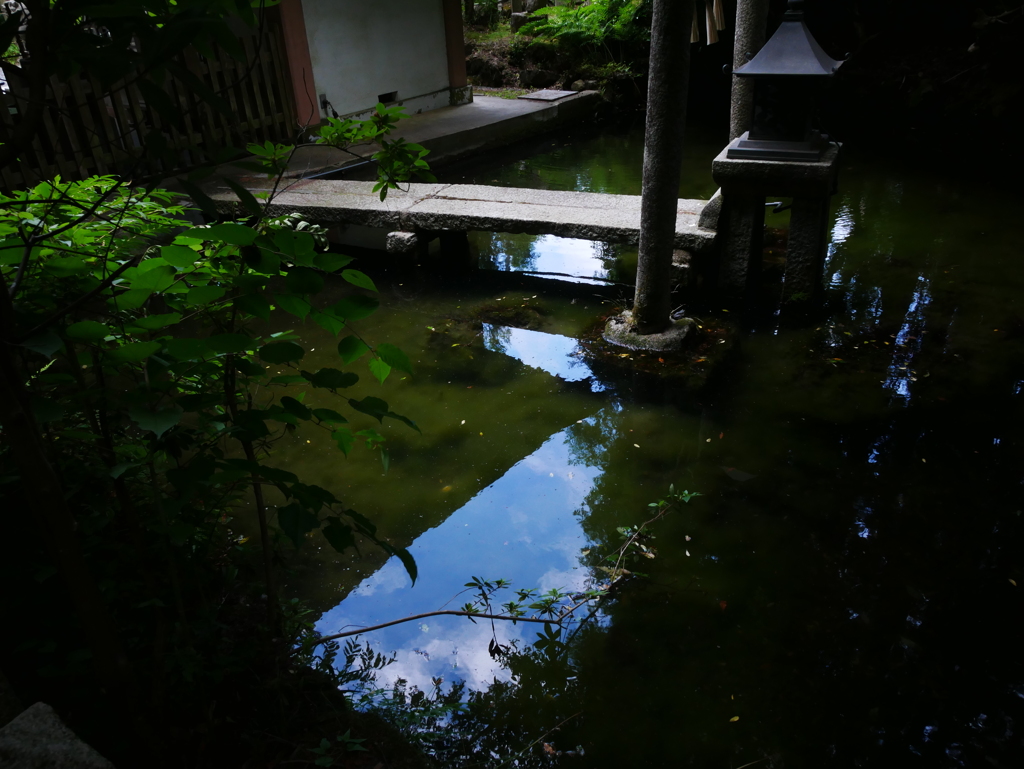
column 94, row 132
column 77, row 161
column 88, row 129
column 279, row 67
column 225, row 87
column 212, row 122
column 239, row 78
column 24, row 167
column 263, row 90
column 128, row 134
column 253, row 90
column 38, row 160
column 144, row 162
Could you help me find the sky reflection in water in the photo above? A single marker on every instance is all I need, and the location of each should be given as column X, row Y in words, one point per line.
column 556, row 354
column 521, row 528
column 578, row 261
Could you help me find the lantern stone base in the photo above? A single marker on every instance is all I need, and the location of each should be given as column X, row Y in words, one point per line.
column 745, row 184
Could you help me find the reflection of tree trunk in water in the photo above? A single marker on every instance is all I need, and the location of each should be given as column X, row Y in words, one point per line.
column 267, row 547
column 58, row 527
column 663, row 155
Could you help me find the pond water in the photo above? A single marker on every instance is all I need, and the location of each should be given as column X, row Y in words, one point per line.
column 847, row 589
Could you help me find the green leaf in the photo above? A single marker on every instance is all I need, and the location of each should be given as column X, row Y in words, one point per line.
column 331, row 262
column 134, row 352
column 262, row 260
column 254, row 304
column 249, row 203
column 46, row 410
column 370, row 406
column 356, row 307
column 187, row 349
column 295, row 305
column 339, row 535
column 252, row 425
column 230, row 343
column 345, row 439
column 45, row 342
column 67, row 266
column 204, row 294
column 329, row 321
column 229, row 232
column 201, row 199
column 379, row 369
column 119, row 469
column 371, row 436
column 292, row 406
column 89, row 331
column 302, row 280
column 281, row 352
column 155, row 322
column 279, row 414
column 298, row 247
column 360, row 279
column 248, row 366
column 405, row 557
column 296, row 521
column 156, row 422
column 351, row 348
column 9, row 256
column 329, row 415
column 179, row 256
column 132, row 299
column 394, row 357
column 331, row 378
column 156, row 279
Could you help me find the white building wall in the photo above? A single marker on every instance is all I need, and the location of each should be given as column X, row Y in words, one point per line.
column 361, row 49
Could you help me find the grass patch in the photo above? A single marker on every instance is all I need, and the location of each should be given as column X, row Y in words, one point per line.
column 482, row 35
column 501, row 93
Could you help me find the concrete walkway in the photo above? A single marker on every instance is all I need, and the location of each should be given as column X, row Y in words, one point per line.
column 461, row 207
column 450, row 133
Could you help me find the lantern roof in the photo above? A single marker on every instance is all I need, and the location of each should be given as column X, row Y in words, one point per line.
column 791, row 52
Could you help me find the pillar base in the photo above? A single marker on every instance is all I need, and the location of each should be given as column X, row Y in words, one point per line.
column 620, row 330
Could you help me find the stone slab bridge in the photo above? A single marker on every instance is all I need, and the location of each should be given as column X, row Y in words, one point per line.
column 419, row 212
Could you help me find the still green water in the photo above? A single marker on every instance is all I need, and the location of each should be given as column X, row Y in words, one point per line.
column 846, row 592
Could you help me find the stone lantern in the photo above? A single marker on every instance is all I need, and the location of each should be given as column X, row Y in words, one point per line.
column 781, row 155
column 787, row 73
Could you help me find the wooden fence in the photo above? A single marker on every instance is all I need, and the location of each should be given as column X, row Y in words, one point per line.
column 88, row 130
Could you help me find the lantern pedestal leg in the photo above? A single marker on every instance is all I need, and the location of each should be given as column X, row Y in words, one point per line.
column 806, row 247
column 741, row 232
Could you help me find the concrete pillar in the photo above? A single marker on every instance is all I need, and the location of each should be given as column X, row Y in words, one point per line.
column 806, row 248
column 741, row 236
column 668, row 83
column 300, row 65
column 751, row 23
